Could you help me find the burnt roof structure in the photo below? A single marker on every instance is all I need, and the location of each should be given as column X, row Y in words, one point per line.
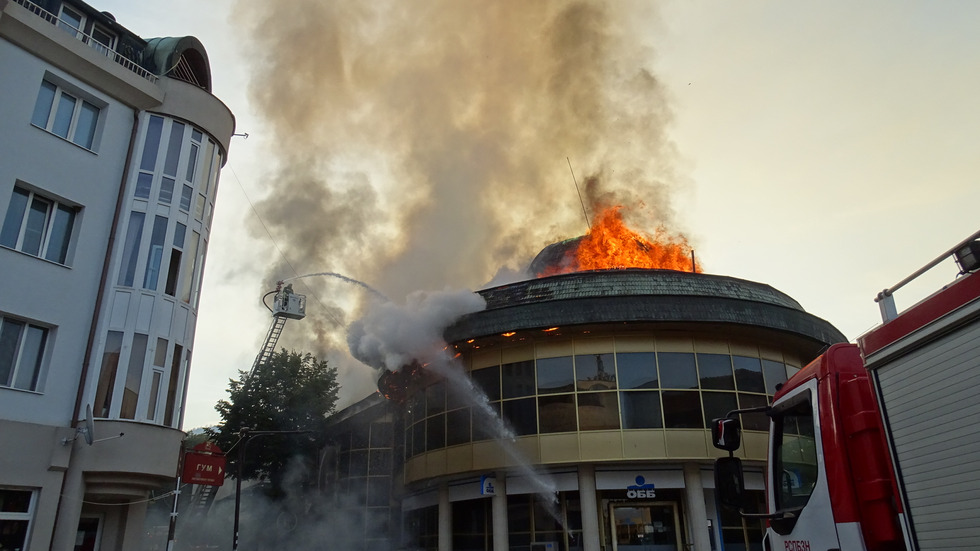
column 642, row 296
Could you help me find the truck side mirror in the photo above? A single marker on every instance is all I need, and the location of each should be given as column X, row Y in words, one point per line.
column 730, row 483
column 726, row 433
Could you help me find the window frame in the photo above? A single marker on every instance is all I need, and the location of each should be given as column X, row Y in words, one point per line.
column 55, row 205
column 20, row 516
column 17, row 357
column 81, row 99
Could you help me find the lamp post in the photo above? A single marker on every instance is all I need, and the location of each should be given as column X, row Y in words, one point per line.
column 246, row 435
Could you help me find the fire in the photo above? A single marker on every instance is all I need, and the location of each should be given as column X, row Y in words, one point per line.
column 611, row 245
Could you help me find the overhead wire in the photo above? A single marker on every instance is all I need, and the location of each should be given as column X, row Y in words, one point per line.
column 279, row 249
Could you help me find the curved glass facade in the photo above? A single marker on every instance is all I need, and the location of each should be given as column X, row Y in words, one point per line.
column 600, row 384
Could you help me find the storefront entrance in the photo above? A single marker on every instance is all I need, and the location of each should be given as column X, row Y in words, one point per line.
column 650, row 526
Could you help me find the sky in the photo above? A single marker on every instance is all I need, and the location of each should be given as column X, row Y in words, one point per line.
column 827, row 149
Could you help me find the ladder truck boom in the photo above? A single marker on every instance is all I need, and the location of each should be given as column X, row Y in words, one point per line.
column 285, row 305
column 874, row 446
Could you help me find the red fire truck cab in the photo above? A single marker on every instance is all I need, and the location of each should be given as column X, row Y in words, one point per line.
column 876, row 445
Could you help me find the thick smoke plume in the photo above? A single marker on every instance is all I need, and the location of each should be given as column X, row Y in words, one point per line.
column 428, row 143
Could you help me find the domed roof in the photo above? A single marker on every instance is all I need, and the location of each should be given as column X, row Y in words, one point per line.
column 640, row 296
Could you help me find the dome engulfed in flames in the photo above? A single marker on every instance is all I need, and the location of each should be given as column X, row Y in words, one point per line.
column 611, row 245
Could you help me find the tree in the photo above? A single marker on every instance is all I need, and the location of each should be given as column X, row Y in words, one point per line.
column 290, row 392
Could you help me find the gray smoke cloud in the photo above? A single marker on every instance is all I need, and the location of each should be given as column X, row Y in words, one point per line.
column 424, row 144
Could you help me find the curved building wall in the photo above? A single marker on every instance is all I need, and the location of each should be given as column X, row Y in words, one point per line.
column 606, row 383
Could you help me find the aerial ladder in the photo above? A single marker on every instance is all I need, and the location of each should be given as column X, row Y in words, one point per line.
column 285, row 305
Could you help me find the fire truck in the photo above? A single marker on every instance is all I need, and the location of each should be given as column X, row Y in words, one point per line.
column 876, row 445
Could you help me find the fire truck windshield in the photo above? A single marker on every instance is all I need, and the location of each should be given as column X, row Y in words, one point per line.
column 794, row 465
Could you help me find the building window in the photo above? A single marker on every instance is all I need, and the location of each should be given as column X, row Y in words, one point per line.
column 107, row 375
column 66, row 115
column 21, row 354
column 134, row 235
column 71, row 21
column 16, row 514
column 38, row 225
column 134, row 377
column 103, row 40
column 157, row 237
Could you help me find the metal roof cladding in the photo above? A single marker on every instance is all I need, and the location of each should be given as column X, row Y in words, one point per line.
column 639, row 295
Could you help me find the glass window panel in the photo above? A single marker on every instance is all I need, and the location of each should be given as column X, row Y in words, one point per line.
column 144, row 182
column 753, row 421
column 186, row 278
column 379, row 461
column 199, row 273
column 519, row 513
column 151, row 406
column 521, row 416
column 378, row 490
column 716, row 371
column 418, row 437
column 359, row 463
column 37, row 221
column 637, row 369
column 641, row 410
column 555, row 375
column 682, row 410
column 157, row 237
column 458, row 427
column 435, row 432
column 173, row 149
column 9, row 340
column 166, row 190
column 179, row 231
column 134, row 235
column 595, row 371
column 160, row 354
column 677, row 370
column 107, row 376
column 381, row 435
column 70, row 20
column 30, row 358
column 748, row 374
column 64, row 221
column 206, row 161
column 598, row 411
column 718, row 404
column 172, row 272
column 63, row 115
column 42, row 108
column 186, row 194
column 488, row 379
column 199, row 206
column 134, row 377
column 15, row 501
column 517, row 379
column 88, row 117
column 435, row 398
column 171, row 403
column 775, row 373
column 484, row 428
column 360, row 439
column 196, row 135
column 557, row 413
column 151, row 146
column 14, row 218
column 192, row 162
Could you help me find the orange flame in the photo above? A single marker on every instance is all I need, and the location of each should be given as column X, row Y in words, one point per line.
column 611, row 245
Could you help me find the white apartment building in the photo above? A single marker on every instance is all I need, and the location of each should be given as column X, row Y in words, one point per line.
column 110, row 149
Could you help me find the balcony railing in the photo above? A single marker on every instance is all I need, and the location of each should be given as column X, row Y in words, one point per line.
column 87, row 39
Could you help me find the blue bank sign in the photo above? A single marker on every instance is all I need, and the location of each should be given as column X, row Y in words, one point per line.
column 641, row 490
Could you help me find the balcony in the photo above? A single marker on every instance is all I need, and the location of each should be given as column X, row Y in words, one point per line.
column 89, row 40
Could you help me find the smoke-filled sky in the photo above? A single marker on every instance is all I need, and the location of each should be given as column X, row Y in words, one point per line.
column 828, row 150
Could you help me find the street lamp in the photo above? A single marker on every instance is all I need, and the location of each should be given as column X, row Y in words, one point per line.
column 246, row 435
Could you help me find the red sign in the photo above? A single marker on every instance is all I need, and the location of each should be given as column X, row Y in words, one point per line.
column 202, row 468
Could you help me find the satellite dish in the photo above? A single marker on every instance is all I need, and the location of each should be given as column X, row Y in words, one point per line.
column 89, row 430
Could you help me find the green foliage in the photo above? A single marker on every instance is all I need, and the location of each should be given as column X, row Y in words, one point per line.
column 290, row 392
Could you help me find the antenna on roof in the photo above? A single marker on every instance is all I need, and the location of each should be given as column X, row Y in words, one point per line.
column 587, row 223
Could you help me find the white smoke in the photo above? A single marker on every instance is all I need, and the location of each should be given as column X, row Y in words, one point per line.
column 392, row 335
